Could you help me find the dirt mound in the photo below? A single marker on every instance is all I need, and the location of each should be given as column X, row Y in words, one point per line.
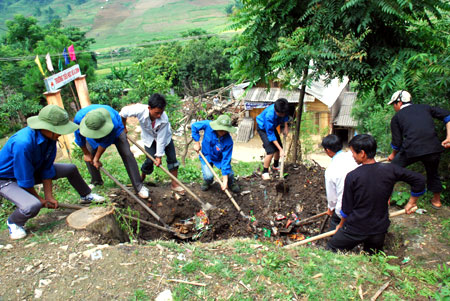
column 270, row 209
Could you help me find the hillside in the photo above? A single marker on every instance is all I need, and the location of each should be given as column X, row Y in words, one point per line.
column 116, row 23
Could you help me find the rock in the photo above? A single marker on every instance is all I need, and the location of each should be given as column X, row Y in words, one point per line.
column 44, row 282
column 72, row 256
column 37, row 293
column 164, row 296
column 8, row 247
column 64, row 248
column 84, row 239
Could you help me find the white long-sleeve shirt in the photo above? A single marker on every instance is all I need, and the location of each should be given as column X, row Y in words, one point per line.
column 161, row 131
column 341, row 164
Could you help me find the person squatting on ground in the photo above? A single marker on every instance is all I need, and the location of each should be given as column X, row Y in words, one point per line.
column 101, row 126
column 28, row 158
column 367, row 189
column 217, row 147
column 341, row 164
column 156, row 135
column 414, row 139
column 268, row 121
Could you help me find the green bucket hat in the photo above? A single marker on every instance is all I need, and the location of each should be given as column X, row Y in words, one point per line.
column 54, row 119
column 96, row 124
column 223, row 123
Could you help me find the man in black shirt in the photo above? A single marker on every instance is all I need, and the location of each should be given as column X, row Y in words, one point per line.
column 365, row 210
column 414, row 139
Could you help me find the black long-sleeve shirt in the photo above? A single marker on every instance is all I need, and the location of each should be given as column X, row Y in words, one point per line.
column 413, row 130
column 366, row 193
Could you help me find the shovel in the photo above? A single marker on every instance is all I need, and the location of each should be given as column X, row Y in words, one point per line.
column 331, row 233
column 167, row 227
column 305, row 221
column 205, row 207
column 226, row 190
column 281, row 186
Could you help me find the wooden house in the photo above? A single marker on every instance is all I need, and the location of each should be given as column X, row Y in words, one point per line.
column 329, row 104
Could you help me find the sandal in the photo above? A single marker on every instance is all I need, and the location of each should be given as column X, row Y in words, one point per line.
column 179, row 190
column 436, row 207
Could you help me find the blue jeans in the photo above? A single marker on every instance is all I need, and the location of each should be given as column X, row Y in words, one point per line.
column 209, row 177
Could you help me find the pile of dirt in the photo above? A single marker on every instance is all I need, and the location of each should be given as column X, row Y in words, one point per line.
column 270, row 209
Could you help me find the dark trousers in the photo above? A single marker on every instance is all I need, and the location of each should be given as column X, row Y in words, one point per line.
column 171, row 158
column 123, row 147
column 269, row 147
column 345, row 241
column 334, row 221
column 431, row 164
column 28, row 205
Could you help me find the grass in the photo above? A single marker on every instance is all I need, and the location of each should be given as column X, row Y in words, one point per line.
column 270, row 272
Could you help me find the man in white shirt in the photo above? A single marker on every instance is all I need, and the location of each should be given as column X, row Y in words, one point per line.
column 156, row 135
column 341, row 164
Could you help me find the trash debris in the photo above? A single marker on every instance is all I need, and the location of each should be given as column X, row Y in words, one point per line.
column 37, row 293
column 181, row 257
column 245, row 192
column 421, row 211
column 406, row 260
column 267, row 232
column 279, row 242
column 280, row 217
column 200, row 220
column 164, row 296
column 97, row 254
column 297, row 236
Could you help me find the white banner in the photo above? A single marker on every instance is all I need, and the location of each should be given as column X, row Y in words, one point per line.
column 54, row 82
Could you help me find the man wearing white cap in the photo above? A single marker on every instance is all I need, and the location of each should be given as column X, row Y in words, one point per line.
column 414, row 138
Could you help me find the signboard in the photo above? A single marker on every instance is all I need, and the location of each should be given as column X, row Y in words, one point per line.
column 54, row 82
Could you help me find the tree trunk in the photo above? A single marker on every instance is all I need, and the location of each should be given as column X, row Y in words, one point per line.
column 297, row 144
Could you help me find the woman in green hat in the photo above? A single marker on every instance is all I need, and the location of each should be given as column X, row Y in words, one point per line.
column 28, row 159
column 217, row 147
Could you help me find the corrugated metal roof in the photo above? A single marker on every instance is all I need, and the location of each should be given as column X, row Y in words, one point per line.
column 257, row 94
column 344, row 117
column 328, row 94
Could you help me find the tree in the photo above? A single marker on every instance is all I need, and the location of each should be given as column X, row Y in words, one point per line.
column 360, row 39
column 203, row 66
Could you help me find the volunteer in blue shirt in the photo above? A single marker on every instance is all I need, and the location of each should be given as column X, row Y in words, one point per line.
column 28, row 159
column 268, row 121
column 217, row 147
column 101, row 126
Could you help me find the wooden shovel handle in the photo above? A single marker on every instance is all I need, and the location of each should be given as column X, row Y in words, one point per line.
column 134, row 197
column 220, row 182
column 330, row 233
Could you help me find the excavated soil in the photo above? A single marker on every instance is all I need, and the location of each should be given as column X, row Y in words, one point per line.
column 269, row 207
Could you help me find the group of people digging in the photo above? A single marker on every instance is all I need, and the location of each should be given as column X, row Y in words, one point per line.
column 357, row 195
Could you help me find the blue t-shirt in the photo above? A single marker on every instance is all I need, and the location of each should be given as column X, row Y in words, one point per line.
column 217, row 150
column 268, row 121
column 26, row 155
column 108, row 139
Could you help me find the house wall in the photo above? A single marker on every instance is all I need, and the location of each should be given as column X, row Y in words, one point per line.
column 322, row 115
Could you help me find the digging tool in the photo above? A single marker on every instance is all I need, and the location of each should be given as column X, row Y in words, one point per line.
column 205, row 206
column 226, row 189
column 281, row 186
column 77, row 207
column 306, row 221
column 331, row 233
column 322, row 227
column 168, row 228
